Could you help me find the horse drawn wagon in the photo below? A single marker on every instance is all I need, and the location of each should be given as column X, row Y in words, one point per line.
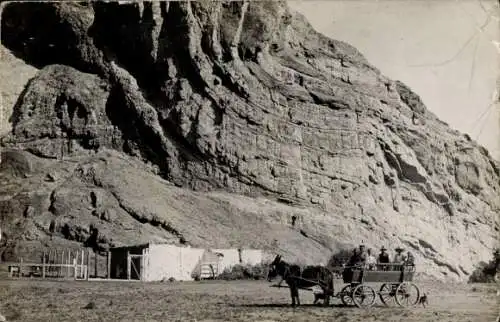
column 395, row 283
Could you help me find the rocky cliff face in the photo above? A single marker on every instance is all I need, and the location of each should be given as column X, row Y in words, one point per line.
column 212, row 124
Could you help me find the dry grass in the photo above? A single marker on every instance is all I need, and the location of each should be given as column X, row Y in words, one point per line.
column 222, row 301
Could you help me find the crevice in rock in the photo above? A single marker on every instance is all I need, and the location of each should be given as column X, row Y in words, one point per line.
column 52, row 208
column 443, row 264
column 330, row 101
column 463, row 270
column 409, row 174
column 395, row 197
column 286, row 201
column 495, row 167
column 154, row 221
column 412, row 245
column 426, row 245
column 93, row 199
column 179, row 43
column 237, row 35
column 229, row 82
column 185, row 145
column 114, row 31
column 123, row 115
column 322, row 243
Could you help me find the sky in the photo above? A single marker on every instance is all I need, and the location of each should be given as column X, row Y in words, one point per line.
column 447, row 51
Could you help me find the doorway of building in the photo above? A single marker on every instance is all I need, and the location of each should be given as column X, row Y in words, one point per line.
column 135, row 267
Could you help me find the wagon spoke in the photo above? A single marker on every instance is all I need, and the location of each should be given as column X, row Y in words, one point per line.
column 364, row 296
column 386, row 294
column 345, row 295
column 407, row 294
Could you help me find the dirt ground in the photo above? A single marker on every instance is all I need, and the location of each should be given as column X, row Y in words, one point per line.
column 38, row 300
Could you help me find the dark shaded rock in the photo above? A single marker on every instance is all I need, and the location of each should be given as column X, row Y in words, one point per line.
column 63, row 109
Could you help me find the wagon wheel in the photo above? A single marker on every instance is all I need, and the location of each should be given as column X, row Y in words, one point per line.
column 386, row 293
column 407, row 294
column 345, row 295
column 364, row 296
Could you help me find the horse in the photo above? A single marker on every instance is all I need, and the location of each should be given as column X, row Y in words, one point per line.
column 296, row 278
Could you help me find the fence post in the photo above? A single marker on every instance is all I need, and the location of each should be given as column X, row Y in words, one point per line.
column 63, row 261
column 68, row 269
column 21, row 268
column 87, row 270
column 43, row 265
column 128, row 265
column 87, row 267
column 56, row 261
column 75, row 266
column 108, row 272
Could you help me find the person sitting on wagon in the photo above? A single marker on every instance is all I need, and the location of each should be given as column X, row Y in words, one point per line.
column 347, row 272
column 410, row 259
column 362, row 255
column 354, row 258
column 358, row 257
column 383, row 258
column 399, row 258
column 371, row 261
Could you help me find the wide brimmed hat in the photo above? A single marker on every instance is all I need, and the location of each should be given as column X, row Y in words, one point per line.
column 383, row 248
column 399, row 249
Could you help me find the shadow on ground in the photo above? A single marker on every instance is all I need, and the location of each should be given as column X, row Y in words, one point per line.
column 284, row 305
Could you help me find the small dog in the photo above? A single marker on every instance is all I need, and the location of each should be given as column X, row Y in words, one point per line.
column 423, row 300
column 319, row 296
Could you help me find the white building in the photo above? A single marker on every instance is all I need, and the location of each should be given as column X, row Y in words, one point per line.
column 157, row 262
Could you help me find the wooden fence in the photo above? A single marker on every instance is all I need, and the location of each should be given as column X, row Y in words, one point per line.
column 54, row 263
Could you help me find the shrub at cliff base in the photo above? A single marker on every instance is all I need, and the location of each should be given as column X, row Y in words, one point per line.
column 487, row 272
column 245, row 272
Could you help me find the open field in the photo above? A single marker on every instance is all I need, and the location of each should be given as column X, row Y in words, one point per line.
column 38, row 300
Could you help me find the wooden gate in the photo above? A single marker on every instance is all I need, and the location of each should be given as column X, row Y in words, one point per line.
column 135, row 267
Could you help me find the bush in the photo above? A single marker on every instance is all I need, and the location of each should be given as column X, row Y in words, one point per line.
column 339, row 258
column 486, row 272
column 244, row 272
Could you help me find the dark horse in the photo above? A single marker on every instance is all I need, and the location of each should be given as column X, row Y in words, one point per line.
column 296, row 278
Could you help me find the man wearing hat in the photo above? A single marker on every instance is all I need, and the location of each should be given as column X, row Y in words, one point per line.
column 399, row 258
column 362, row 255
column 358, row 257
column 383, row 258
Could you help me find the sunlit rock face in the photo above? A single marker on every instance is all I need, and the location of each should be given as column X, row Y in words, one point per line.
column 213, row 123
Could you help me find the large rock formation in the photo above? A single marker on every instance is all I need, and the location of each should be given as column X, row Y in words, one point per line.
column 213, row 123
